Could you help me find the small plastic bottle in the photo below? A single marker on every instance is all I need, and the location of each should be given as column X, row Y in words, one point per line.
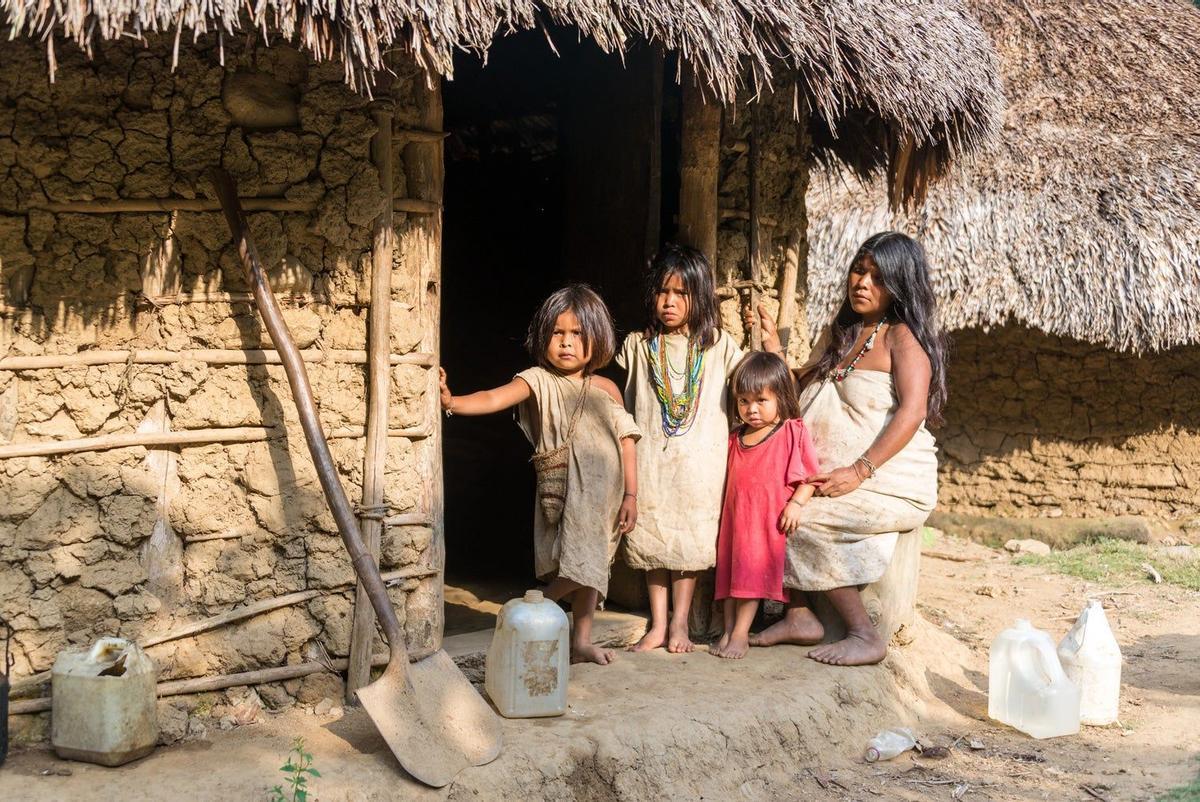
column 889, row 743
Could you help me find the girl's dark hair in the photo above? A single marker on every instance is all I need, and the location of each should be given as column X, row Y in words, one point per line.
column 904, row 273
column 594, row 319
column 704, row 320
column 762, row 370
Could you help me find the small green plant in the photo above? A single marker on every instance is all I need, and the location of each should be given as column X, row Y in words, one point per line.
column 1118, row 561
column 298, row 768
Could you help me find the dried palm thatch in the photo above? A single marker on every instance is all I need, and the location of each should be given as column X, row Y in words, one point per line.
column 902, row 82
column 1084, row 219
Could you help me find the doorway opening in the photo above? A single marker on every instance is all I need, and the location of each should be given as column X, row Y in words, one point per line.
column 553, row 174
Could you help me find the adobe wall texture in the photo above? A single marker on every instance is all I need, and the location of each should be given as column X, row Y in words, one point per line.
column 97, row 543
column 1041, row 426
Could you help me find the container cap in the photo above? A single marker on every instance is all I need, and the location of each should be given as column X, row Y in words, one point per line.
column 534, row 597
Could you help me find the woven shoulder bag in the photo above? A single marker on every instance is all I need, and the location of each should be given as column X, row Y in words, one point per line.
column 551, row 467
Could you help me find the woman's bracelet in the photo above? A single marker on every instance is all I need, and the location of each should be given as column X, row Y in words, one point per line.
column 631, row 495
column 870, row 466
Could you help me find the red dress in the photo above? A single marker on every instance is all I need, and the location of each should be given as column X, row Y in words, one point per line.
column 759, row 481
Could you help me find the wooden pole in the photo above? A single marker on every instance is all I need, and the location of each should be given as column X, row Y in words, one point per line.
column 362, row 633
column 699, row 163
column 787, row 288
column 755, row 266
column 247, row 356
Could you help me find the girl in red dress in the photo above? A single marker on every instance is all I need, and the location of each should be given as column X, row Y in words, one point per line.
column 771, row 458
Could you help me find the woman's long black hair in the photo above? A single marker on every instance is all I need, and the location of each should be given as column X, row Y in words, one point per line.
column 904, row 272
column 704, row 319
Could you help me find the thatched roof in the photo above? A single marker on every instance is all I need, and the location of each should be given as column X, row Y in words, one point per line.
column 1084, row 220
column 906, row 82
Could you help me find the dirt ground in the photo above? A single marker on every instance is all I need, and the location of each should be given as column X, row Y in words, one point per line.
column 769, row 727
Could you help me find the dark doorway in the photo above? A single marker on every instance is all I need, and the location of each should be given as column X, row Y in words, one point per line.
column 552, row 175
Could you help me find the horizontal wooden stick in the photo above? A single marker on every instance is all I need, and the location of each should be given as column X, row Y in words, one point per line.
column 221, row 297
column 183, row 437
column 232, row 534
column 239, row 614
column 152, row 205
column 211, row 356
column 419, row 135
column 409, row 519
column 45, row 448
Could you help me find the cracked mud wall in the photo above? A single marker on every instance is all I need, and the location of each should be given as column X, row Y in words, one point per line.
column 75, row 530
column 1042, row 426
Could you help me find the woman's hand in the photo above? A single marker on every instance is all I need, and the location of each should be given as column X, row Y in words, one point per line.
column 789, row 519
column 627, row 515
column 837, row 482
column 770, row 334
column 444, row 390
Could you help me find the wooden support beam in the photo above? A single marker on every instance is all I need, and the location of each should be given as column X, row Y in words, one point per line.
column 787, row 288
column 242, row 356
column 755, row 266
column 699, row 164
column 362, row 633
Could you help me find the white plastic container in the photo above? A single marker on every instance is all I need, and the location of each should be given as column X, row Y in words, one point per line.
column 1091, row 659
column 529, row 660
column 1027, row 688
column 103, row 703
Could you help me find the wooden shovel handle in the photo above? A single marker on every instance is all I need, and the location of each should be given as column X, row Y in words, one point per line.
column 306, row 407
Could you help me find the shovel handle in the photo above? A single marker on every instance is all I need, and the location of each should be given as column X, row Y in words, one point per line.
column 306, row 408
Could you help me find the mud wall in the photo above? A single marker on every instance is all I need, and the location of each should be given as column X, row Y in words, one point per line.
column 134, row 541
column 1041, row 426
column 782, row 180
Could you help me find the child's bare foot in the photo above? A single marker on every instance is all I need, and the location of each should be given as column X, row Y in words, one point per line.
column 799, row 626
column 736, row 648
column 654, row 638
column 718, row 647
column 856, row 649
column 679, row 642
column 591, row 653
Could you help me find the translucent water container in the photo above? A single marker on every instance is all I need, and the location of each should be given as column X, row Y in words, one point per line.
column 1091, row 659
column 103, row 703
column 1027, row 688
column 529, row 660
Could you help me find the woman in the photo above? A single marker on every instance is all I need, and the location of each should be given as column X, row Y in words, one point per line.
column 876, row 376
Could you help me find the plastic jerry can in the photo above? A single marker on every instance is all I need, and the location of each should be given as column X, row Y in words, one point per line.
column 1027, row 688
column 103, row 703
column 1091, row 659
column 529, row 660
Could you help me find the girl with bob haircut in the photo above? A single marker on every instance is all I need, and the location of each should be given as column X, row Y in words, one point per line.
column 585, row 452
column 771, row 458
column 677, row 369
column 877, row 375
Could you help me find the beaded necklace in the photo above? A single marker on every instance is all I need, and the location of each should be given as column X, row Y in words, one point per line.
column 678, row 409
column 841, row 373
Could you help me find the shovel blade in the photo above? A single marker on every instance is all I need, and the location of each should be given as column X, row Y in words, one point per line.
column 433, row 719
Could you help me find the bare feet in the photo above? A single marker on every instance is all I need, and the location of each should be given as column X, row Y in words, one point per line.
column 856, row 649
column 799, row 626
column 679, row 642
column 718, row 647
column 653, row 639
column 591, row 653
column 736, row 648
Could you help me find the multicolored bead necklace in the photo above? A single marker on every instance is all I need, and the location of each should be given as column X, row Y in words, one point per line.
column 841, row 373
column 678, row 409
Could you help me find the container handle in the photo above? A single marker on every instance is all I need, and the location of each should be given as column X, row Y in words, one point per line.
column 1039, row 654
column 103, row 645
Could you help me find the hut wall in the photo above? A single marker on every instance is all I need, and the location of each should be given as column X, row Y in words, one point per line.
column 1042, row 426
column 100, row 543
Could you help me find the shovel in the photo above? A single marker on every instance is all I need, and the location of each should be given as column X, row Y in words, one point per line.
column 432, row 718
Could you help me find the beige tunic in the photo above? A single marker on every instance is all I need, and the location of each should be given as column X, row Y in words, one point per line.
column 680, row 479
column 581, row 546
column 849, row 540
